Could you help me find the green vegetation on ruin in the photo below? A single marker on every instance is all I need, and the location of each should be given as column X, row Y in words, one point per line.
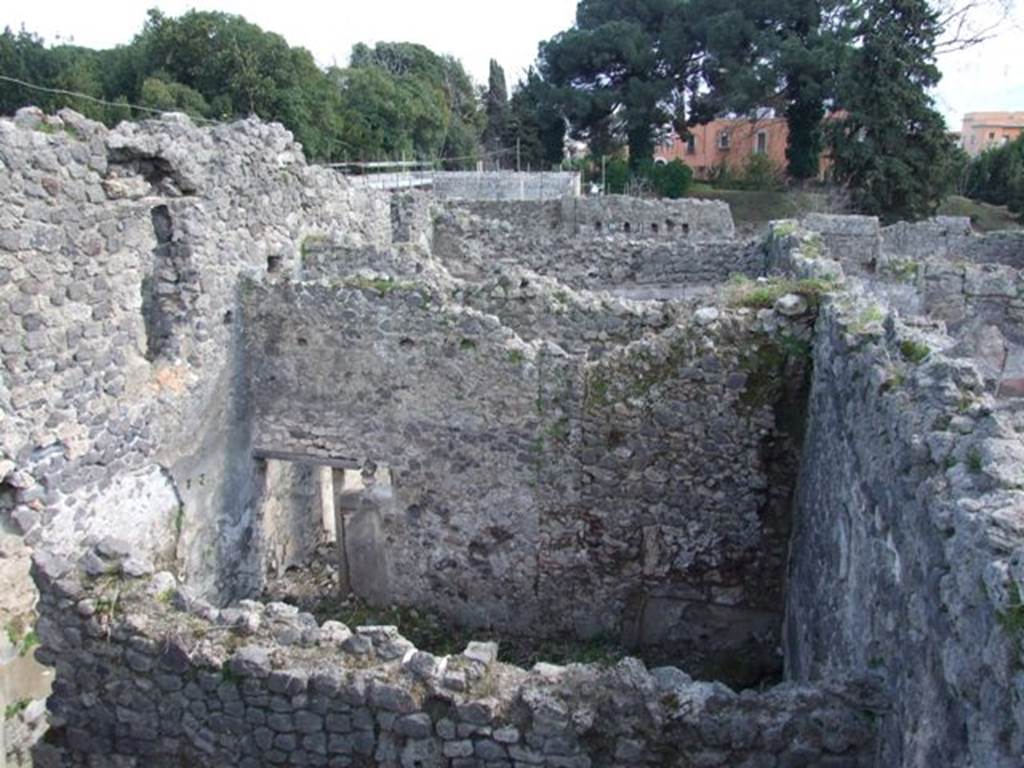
column 914, row 351
column 741, row 291
column 11, row 711
column 766, row 367
column 1012, row 621
column 904, row 270
column 21, row 634
column 382, row 285
column 974, row 461
column 311, row 244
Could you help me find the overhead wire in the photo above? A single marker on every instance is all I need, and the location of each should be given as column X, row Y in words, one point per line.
column 210, row 121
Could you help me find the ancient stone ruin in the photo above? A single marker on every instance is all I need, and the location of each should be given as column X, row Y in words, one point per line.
column 690, row 500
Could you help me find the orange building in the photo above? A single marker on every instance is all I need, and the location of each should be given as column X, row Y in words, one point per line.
column 728, row 142
column 984, row 130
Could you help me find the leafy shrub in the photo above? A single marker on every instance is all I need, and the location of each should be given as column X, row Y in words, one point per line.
column 672, row 180
column 617, row 176
column 996, row 176
column 759, row 172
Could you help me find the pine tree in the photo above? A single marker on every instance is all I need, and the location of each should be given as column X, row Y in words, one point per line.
column 891, row 147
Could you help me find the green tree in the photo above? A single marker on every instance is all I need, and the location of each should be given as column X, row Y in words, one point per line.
column 418, row 71
column 536, row 125
column 395, row 98
column 997, row 176
column 239, row 69
column 616, row 174
column 497, row 109
column 890, row 147
column 781, row 54
column 159, row 93
column 672, row 179
column 625, row 68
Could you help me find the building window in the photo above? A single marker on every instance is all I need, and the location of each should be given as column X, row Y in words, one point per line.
column 691, row 145
column 723, row 140
column 761, row 147
column 991, row 135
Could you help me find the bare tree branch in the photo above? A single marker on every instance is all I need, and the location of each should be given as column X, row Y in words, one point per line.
column 967, row 23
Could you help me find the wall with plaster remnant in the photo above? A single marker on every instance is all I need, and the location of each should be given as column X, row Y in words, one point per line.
column 120, row 254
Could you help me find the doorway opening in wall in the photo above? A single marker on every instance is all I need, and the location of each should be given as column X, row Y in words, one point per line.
column 324, row 531
column 334, row 539
column 330, row 515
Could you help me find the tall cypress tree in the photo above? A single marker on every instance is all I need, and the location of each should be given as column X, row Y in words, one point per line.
column 891, row 147
column 806, row 65
column 496, row 105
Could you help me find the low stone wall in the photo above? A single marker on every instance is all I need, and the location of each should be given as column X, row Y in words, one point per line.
column 960, row 293
column 591, row 218
column 505, row 185
column 908, row 551
column 258, row 685
column 607, row 264
column 689, row 218
column 951, row 237
column 997, row 248
column 562, row 240
column 854, row 241
column 938, row 237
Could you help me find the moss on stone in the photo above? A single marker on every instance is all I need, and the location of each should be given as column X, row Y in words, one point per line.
column 11, row 711
column 784, row 228
column 974, row 461
column 597, row 388
column 893, row 383
column 904, row 270
column 379, row 284
column 309, row 244
column 914, row 351
column 765, row 368
column 1012, row 621
column 871, row 315
column 762, row 294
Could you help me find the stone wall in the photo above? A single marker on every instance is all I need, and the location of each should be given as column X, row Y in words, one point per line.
column 121, row 395
column 264, row 685
column 535, row 489
column 962, row 293
column 951, row 237
column 594, row 217
column 472, row 242
column 505, row 185
column 997, row 248
column 689, row 218
column 982, row 307
column 854, row 241
column 580, row 322
column 610, row 264
column 907, row 555
column 941, row 236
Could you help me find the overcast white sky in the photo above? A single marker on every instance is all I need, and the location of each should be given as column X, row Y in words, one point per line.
column 988, row 77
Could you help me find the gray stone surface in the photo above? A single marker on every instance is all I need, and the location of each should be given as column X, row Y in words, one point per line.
column 234, row 716
column 907, row 548
column 504, row 185
column 201, row 335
